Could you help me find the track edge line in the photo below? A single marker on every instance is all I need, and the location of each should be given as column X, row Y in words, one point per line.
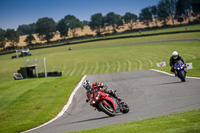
column 64, row 108
column 172, row 74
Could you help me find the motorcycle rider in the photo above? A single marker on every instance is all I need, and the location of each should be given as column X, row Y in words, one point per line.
column 100, row 87
column 174, row 58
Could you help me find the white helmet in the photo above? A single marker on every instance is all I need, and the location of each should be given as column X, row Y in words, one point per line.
column 87, row 84
column 175, row 54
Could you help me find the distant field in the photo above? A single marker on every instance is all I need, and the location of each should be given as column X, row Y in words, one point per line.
column 88, row 58
column 105, row 56
column 155, row 31
column 175, row 29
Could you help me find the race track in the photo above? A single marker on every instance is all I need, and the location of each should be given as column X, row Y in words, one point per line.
column 148, row 93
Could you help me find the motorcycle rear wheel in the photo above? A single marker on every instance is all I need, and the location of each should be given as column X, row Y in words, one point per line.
column 107, row 109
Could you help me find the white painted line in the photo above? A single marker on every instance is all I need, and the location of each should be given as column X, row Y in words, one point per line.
column 162, row 72
column 64, row 108
column 172, row 74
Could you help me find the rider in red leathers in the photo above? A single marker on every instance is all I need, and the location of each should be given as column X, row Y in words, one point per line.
column 99, row 87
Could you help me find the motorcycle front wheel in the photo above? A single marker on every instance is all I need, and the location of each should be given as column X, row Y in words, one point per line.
column 107, row 109
column 182, row 76
column 125, row 108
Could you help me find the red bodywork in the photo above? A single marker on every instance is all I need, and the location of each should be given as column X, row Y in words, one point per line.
column 99, row 96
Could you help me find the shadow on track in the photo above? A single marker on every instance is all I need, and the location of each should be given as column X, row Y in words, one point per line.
column 177, row 82
column 93, row 119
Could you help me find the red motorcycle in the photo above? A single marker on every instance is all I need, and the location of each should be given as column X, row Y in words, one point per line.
column 107, row 103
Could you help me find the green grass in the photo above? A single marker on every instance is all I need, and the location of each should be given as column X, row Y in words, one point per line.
column 25, row 104
column 127, row 41
column 187, row 122
column 103, row 56
column 28, row 103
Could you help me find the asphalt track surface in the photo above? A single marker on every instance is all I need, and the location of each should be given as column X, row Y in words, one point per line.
column 148, row 93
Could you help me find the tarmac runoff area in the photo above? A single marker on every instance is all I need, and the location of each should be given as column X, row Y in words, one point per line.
column 149, row 93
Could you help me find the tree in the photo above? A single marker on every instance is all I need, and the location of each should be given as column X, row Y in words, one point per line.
column 145, row 16
column 195, row 7
column 12, row 36
column 130, row 18
column 46, row 28
column 63, row 28
column 96, row 23
column 171, row 8
column 85, row 22
column 2, row 38
column 73, row 23
column 179, row 11
column 187, row 6
column 113, row 20
column 29, row 39
column 184, row 9
column 154, row 12
column 163, row 14
column 26, row 29
column 104, row 23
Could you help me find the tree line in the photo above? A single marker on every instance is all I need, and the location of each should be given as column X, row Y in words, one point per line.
column 46, row 28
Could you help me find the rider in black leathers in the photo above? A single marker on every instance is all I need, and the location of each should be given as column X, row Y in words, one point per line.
column 174, row 58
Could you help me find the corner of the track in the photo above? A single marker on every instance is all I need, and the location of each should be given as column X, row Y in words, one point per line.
column 64, row 108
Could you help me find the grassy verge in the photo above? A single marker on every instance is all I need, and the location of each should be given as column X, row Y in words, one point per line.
column 187, row 122
column 28, row 103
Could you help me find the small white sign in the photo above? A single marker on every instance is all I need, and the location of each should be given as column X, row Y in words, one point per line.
column 189, row 66
column 161, row 64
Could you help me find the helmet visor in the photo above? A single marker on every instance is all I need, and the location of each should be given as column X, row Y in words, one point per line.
column 87, row 87
column 175, row 56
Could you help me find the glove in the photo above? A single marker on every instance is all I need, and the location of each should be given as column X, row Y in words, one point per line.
column 87, row 100
column 111, row 91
